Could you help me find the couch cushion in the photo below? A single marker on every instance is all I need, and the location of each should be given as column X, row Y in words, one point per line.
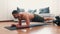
column 44, row 10
column 20, row 9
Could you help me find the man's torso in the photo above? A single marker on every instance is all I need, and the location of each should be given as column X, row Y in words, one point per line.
column 25, row 15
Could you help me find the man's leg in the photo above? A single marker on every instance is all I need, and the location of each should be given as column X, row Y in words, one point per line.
column 37, row 18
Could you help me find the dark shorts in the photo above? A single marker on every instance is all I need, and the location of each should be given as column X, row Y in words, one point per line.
column 37, row 18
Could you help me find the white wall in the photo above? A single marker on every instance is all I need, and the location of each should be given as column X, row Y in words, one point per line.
column 7, row 6
column 12, row 5
column 54, row 7
column 3, row 9
column 58, row 5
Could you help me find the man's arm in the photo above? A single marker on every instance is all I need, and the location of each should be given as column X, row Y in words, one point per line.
column 27, row 21
column 19, row 22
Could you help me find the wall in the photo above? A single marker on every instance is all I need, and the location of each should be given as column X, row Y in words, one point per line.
column 54, row 7
column 58, row 5
column 3, row 9
column 7, row 6
column 12, row 5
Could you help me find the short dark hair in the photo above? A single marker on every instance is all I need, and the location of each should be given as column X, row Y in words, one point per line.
column 15, row 12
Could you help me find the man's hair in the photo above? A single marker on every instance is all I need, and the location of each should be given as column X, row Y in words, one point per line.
column 15, row 12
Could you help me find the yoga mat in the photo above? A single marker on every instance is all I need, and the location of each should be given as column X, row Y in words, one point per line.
column 32, row 25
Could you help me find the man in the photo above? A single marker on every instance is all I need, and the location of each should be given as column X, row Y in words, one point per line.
column 27, row 17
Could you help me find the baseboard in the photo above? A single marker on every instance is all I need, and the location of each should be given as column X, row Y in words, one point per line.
column 11, row 21
column 7, row 21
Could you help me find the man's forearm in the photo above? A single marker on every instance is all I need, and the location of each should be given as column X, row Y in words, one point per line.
column 20, row 23
column 28, row 22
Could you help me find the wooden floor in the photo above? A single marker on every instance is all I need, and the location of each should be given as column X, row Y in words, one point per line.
column 50, row 29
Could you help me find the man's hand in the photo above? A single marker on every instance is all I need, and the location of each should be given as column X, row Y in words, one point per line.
column 18, row 25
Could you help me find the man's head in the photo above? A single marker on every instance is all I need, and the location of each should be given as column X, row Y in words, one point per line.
column 15, row 13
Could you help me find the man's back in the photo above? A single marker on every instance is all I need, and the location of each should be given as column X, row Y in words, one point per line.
column 24, row 15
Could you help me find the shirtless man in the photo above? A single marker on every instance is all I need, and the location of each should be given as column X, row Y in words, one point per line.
column 27, row 17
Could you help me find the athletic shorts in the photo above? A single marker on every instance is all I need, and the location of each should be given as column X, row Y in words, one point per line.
column 37, row 18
